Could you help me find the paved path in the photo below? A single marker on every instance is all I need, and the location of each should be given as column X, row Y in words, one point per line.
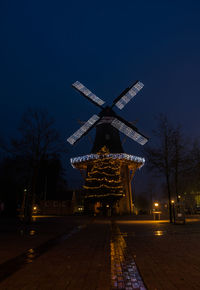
column 125, row 254
column 16, row 238
column 80, row 262
column 168, row 256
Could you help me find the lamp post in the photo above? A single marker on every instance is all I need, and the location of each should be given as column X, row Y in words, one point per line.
column 173, row 209
column 156, row 211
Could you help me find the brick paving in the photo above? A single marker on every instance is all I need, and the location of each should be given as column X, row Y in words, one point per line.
column 124, row 272
column 168, row 256
column 16, row 238
column 80, row 262
column 101, row 256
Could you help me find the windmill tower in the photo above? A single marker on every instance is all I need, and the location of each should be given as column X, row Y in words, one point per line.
column 108, row 126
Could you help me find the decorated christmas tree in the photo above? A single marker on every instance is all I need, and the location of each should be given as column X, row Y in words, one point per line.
column 103, row 181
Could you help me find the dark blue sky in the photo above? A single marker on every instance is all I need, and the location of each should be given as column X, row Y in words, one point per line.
column 106, row 45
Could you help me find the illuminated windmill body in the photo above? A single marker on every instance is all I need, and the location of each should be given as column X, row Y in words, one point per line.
column 108, row 125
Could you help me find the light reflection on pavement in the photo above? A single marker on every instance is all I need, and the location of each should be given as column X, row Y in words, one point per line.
column 11, row 266
column 142, row 221
column 124, row 273
column 167, row 255
column 159, row 233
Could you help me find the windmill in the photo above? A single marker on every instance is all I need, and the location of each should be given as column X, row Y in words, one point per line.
column 109, row 118
column 108, row 126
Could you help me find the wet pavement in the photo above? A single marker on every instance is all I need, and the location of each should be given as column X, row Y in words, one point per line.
column 15, row 264
column 80, row 261
column 17, row 238
column 99, row 253
column 124, row 272
column 167, row 255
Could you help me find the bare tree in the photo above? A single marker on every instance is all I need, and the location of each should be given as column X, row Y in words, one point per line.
column 38, row 135
column 160, row 156
column 192, row 170
column 38, row 140
column 179, row 158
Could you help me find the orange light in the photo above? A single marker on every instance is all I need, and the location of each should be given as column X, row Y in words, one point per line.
column 158, row 233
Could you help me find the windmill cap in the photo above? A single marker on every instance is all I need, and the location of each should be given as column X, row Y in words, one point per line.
column 107, row 111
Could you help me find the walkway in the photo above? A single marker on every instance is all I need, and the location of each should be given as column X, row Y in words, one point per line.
column 80, row 253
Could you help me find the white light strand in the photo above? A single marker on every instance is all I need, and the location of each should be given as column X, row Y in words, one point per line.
column 77, row 135
column 115, row 156
column 80, row 87
column 129, row 95
column 129, row 132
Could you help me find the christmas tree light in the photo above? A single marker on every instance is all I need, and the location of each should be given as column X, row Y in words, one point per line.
column 104, row 178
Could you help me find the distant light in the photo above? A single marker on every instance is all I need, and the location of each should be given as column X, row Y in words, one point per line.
column 107, row 205
column 156, row 204
column 35, row 207
column 172, row 201
column 179, row 196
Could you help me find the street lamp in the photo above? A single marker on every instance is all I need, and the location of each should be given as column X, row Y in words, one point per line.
column 173, row 208
column 156, row 212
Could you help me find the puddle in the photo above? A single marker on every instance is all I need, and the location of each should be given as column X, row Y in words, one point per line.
column 159, row 233
column 28, row 232
column 31, row 255
column 32, row 233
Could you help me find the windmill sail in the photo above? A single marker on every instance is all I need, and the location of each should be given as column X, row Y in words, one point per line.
column 127, row 95
column 88, row 94
column 129, row 130
column 83, row 130
column 107, row 115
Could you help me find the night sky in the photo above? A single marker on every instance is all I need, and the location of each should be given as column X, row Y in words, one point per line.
column 106, row 45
